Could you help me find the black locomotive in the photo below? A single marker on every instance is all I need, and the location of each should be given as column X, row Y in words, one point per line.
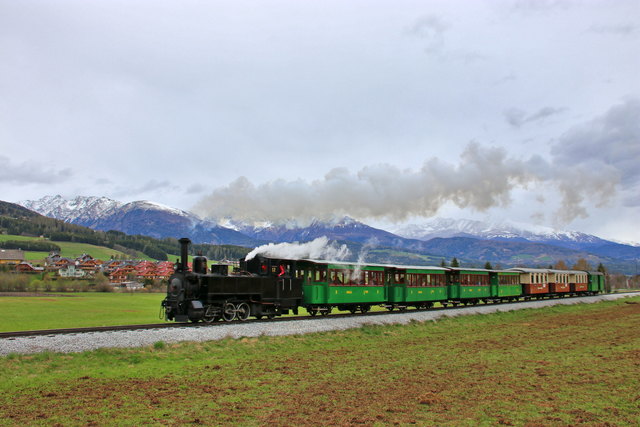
column 270, row 290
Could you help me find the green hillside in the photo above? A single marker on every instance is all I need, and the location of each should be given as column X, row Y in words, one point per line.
column 71, row 249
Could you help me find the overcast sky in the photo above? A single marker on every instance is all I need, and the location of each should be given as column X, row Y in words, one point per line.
column 388, row 111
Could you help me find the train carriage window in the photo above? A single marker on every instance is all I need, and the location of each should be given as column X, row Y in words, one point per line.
column 356, row 277
column 416, row 280
column 335, row 277
column 375, row 278
column 508, row 280
column 321, row 275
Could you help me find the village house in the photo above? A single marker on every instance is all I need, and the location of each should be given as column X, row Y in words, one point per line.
column 11, row 256
column 26, row 267
column 73, row 271
column 122, row 274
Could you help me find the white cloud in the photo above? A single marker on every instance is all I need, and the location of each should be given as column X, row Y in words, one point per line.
column 31, row 172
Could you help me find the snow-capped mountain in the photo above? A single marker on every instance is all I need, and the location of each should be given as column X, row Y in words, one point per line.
column 337, row 229
column 139, row 217
column 80, row 210
column 448, row 227
column 516, row 232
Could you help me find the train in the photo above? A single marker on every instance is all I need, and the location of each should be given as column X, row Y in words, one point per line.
column 267, row 287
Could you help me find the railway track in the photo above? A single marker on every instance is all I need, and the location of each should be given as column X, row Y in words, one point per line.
column 84, row 330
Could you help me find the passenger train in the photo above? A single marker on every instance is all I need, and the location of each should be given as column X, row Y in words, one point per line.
column 270, row 287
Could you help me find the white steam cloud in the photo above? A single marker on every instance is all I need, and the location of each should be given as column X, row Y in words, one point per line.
column 320, row 249
column 484, row 178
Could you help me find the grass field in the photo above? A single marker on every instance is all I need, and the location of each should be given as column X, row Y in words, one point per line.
column 70, row 249
column 78, row 310
column 564, row 365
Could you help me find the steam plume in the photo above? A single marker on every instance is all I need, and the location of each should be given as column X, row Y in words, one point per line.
column 484, row 178
column 319, row 248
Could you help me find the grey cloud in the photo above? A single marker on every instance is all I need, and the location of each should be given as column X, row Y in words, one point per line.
column 506, row 79
column 152, row 186
column 196, row 189
column 30, row 173
column 603, row 154
column 608, row 141
column 431, row 29
column 617, row 29
column 517, row 117
column 541, row 5
column 103, row 181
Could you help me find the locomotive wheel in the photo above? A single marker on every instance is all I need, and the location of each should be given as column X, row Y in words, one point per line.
column 210, row 318
column 312, row 312
column 364, row 308
column 243, row 311
column 229, row 312
column 353, row 310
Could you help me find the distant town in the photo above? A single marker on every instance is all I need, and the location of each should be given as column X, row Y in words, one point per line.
column 120, row 273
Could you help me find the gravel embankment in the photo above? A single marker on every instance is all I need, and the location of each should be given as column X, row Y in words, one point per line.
column 91, row 341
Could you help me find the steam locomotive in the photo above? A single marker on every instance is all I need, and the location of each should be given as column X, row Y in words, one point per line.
column 270, row 287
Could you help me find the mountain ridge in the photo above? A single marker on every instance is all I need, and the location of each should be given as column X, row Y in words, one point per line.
column 486, row 241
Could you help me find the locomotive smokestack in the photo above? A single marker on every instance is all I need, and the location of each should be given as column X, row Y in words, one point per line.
column 184, row 253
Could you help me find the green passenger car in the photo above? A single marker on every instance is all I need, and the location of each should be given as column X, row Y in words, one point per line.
column 416, row 287
column 342, row 285
column 468, row 285
column 505, row 285
column 596, row 282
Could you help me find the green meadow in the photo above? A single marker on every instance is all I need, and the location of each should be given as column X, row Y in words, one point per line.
column 564, row 365
column 74, row 310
